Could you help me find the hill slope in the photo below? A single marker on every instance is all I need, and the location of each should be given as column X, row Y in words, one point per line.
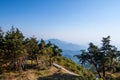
column 52, row 73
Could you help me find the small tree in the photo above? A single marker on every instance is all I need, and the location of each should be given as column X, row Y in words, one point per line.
column 56, row 52
column 32, row 48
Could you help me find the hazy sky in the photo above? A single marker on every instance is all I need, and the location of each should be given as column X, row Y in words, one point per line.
column 77, row 21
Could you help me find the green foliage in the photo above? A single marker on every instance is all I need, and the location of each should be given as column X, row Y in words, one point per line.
column 103, row 58
column 32, row 48
column 15, row 51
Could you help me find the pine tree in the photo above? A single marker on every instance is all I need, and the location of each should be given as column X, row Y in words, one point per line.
column 15, row 51
column 32, row 49
column 101, row 58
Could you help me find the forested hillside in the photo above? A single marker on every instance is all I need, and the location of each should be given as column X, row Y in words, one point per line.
column 20, row 55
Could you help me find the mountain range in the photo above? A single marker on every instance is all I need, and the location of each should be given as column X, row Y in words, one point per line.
column 65, row 45
column 69, row 49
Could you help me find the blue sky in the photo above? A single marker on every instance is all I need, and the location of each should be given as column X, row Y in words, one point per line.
column 76, row 21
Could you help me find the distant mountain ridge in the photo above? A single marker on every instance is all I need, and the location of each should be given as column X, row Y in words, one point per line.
column 69, row 49
column 65, row 45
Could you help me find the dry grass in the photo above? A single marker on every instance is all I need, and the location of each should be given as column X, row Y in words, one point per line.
column 27, row 75
column 116, row 75
column 31, row 74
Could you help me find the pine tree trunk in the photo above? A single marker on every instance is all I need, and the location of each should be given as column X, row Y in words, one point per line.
column 50, row 61
column 98, row 72
column 37, row 61
column 103, row 70
column 31, row 62
column 111, row 63
column 24, row 63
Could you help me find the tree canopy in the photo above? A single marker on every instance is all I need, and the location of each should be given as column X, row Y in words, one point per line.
column 15, row 50
column 102, row 58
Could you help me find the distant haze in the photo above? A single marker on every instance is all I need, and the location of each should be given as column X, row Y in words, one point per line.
column 68, row 49
column 65, row 45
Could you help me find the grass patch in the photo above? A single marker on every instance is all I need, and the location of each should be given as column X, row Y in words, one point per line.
column 72, row 66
